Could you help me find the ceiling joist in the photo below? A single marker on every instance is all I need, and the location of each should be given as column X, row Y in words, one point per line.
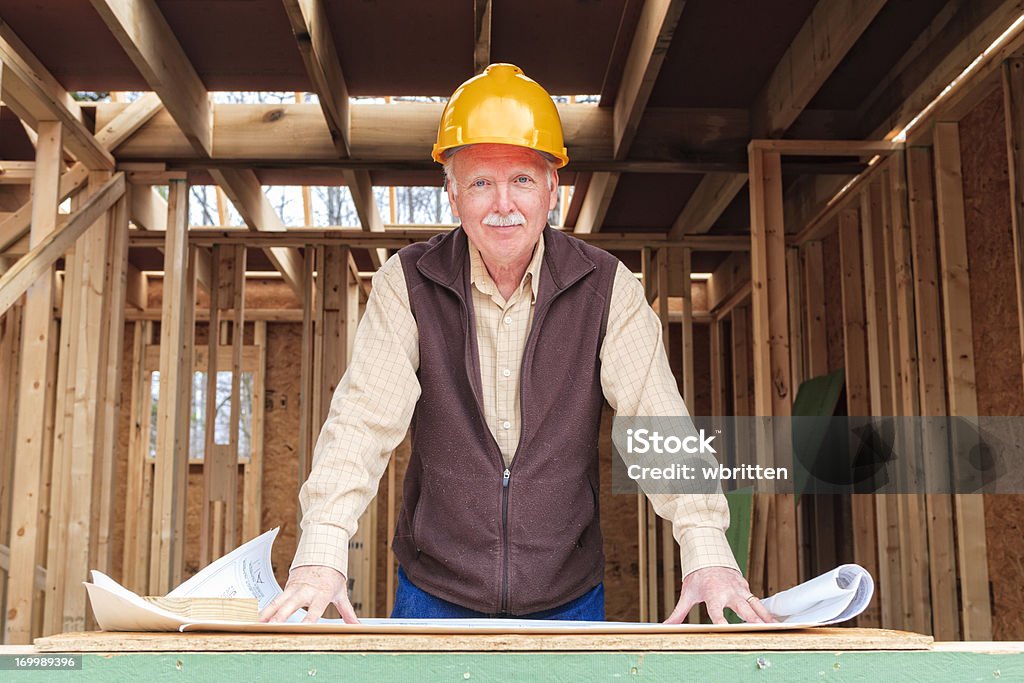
column 821, row 44
column 651, row 40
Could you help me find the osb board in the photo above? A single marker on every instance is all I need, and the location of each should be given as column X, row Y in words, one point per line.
column 833, row 302
column 996, row 341
column 832, row 639
column 281, row 441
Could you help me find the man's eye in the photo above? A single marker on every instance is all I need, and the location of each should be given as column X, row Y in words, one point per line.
column 479, row 183
column 523, row 179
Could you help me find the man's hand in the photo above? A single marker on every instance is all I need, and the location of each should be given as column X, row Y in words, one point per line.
column 719, row 587
column 313, row 587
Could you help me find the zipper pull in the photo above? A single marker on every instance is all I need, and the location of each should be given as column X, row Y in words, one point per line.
column 505, row 478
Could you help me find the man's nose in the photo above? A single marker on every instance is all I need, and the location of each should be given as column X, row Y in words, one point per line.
column 503, row 199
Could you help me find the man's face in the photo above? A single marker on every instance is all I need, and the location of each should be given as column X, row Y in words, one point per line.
column 502, row 194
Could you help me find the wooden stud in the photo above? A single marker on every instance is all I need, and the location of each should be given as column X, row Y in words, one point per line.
column 795, row 291
column 971, row 546
column 888, row 508
column 234, row 421
column 306, row 403
column 36, row 355
column 109, row 397
column 86, row 382
column 138, row 496
column 873, row 215
column 862, row 505
column 176, row 343
column 913, row 533
column 932, row 387
column 252, row 501
column 814, row 310
column 222, row 284
column 10, row 343
column 60, row 496
column 772, row 376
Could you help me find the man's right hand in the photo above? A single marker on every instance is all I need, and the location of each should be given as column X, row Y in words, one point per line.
column 313, row 587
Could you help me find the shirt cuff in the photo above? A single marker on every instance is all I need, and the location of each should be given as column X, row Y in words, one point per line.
column 702, row 547
column 323, row 544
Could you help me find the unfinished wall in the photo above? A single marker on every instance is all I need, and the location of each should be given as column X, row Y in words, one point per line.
column 996, row 340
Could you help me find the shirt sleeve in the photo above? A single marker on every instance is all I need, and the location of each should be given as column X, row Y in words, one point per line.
column 369, row 416
column 637, row 381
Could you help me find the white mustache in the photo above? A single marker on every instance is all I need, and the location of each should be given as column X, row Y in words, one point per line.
column 497, row 220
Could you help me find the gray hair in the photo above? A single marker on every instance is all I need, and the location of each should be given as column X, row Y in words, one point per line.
column 449, row 175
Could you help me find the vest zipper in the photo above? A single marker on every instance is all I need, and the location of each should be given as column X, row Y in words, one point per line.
column 506, row 475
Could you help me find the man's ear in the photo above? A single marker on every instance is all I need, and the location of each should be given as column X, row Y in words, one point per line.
column 554, row 190
column 451, row 196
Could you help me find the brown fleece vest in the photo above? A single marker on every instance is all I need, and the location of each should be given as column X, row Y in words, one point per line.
column 471, row 532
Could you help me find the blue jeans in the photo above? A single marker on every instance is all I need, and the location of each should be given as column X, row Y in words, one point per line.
column 412, row 602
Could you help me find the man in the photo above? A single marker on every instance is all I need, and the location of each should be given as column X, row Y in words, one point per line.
column 499, row 341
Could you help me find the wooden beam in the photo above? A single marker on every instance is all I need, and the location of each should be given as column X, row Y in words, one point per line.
column 316, row 45
column 35, row 95
column 1013, row 106
column 482, row 32
column 971, row 545
column 402, row 236
column 244, row 189
column 731, row 275
column 36, row 355
column 20, row 277
column 823, row 41
column 129, row 121
column 143, row 32
column 596, row 202
column 16, row 172
column 708, row 201
column 655, row 28
column 400, row 134
column 176, row 343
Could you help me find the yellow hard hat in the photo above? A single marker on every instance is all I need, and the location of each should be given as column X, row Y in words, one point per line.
column 504, row 106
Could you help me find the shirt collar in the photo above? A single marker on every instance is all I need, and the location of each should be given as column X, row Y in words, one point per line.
column 483, row 281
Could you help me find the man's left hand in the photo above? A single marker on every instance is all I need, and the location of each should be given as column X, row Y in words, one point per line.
column 719, row 587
